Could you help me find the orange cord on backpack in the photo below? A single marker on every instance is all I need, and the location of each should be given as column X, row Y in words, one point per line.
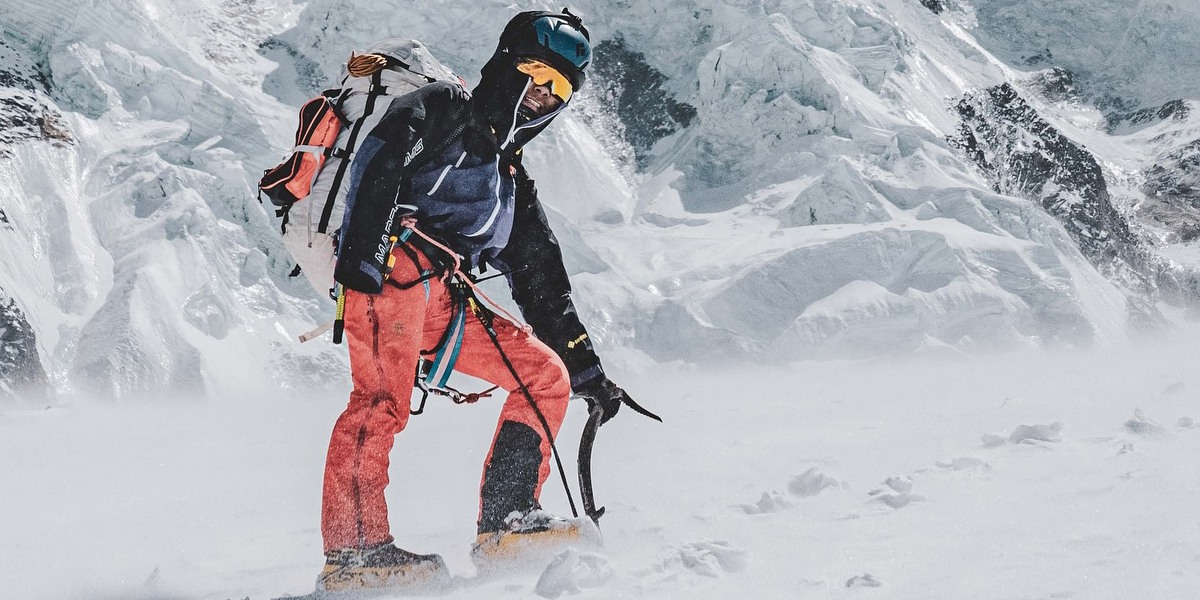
column 365, row 65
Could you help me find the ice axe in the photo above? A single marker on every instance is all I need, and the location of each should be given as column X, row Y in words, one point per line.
column 585, row 465
column 595, row 416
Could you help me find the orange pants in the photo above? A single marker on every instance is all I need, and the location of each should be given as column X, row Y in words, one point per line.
column 385, row 334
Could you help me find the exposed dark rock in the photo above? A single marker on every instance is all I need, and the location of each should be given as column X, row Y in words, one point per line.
column 1025, row 156
column 21, row 68
column 1176, row 175
column 1172, row 188
column 935, row 5
column 22, row 376
column 25, row 116
column 1038, row 59
column 1125, row 122
column 1056, row 84
column 308, row 76
column 623, row 79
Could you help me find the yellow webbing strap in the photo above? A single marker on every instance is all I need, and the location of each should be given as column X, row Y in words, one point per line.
column 339, row 321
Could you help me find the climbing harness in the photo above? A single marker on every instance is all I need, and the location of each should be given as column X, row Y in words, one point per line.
column 432, row 374
column 466, row 294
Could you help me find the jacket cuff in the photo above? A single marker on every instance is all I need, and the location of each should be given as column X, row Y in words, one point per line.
column 586, row 376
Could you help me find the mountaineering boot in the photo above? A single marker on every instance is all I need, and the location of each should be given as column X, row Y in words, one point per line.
column 382, row 566
column 533, row 536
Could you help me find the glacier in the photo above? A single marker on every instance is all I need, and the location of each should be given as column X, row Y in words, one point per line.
column 793, row 183
column 912, row 284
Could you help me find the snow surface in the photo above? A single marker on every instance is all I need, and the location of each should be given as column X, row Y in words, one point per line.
column 1113, row 47
column 914, row 425
column 1035, row 475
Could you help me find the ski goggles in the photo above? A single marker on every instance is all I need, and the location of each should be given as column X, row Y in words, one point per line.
column 544, row 74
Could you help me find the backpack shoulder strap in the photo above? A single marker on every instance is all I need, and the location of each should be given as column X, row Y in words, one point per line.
column 376, row 90
column 460, row 116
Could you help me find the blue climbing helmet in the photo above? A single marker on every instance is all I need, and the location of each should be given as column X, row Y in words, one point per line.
column 559, row 39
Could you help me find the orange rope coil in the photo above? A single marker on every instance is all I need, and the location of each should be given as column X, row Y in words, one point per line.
column 365, row 65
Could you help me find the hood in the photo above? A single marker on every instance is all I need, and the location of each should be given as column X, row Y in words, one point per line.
column 559, row 40
column 496, row 102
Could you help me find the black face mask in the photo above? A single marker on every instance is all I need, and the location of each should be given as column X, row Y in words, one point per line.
column 524, row 115
column 497, row 101
column 498, row 95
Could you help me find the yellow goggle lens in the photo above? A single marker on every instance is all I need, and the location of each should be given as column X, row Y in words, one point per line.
column 543, row 74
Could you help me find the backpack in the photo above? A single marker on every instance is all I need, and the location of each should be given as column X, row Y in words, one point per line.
column 309, row 187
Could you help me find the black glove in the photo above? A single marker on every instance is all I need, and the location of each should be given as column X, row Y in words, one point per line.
column 604, row 393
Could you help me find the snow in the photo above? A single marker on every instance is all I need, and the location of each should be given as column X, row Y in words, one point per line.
column 1114, row 46
column 820, row 135
column 1028, row 475
column 879, row 377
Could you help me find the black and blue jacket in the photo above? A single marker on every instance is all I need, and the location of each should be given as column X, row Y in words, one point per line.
column 436, row 152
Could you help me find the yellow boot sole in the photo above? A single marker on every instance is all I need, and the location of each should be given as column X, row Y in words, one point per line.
column 426, row 574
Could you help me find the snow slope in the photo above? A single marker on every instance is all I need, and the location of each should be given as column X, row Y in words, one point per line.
column 149, row 254
column 1030, row 476
column 1114, row 48
column 818, row 139
column 811, row 217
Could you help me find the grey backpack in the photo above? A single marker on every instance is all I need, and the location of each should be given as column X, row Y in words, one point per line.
column 311, row 222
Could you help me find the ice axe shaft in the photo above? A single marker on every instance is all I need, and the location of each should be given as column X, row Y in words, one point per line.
column 585, row 465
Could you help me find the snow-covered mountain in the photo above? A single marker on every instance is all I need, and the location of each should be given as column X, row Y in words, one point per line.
column 739, row 181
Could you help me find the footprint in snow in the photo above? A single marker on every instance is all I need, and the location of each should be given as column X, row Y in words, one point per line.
column 1140, row 425
column 812, row 482
column 1027, row 435
column 770, row 502
column 1175, row 388
column 964, row 463
column 1186, row 423
column 864, row 580
column 707, row 558
column 572, row 571
column 896, row 493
